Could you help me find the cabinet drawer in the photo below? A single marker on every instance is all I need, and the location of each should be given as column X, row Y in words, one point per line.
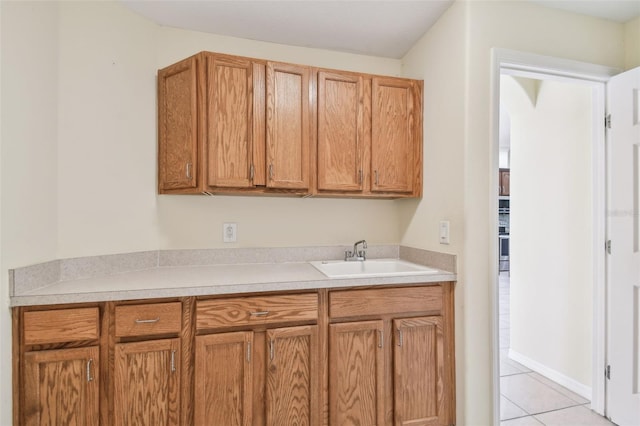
column 61, row 325
column 149, row 319
column 256, row 310
column 384, row 301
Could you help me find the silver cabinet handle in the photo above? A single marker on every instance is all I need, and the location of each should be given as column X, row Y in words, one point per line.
column 381, row 340
column 173, row 361
column 147, row 321
column 360, row 177
column 259, row 313
column 272, row 349
column 271, row 171
column 89, row 376
column 252, row 172
column 248, row 351
column 399, row 337
column 188, row 170
column 376, row 176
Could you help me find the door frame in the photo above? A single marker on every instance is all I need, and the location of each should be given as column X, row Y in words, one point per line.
column 522, row 64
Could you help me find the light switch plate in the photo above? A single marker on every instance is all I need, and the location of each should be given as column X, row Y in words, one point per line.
column 444, row 232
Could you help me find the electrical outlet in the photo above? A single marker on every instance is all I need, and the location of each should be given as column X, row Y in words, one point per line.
column 444, row 232
column 229, row 232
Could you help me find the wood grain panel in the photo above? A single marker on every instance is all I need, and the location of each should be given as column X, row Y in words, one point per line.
column 419, row 371
column 223, row 386
column 392, row 133
column 61, row 325
column 288, row 130
column 259, row 124
column 396, row 300
column 230, row 121
column 147, row 383
column 148, row 319
column 256, row 310
column 340, row 131
column 292, row 390
column 62, row 387
column 177, row 126
column 356, row 381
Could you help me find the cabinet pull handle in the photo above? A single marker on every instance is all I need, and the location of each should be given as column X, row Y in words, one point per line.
column 173, row 361
column 89, row 376
column 271, row 171
column 259, row 313
column 188, row 170
column 272, row 349
column 248, row 351
column 399, row 337
column 376, row 176
column 252, row 172
column 147, row 321
column 360, row 176
column 381, row 338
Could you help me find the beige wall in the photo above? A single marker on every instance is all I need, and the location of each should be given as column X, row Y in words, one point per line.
column 551, row 226
column 79, row 147
column 466, row 142
column 27, row 154
column 82, row 181
column 632, row 44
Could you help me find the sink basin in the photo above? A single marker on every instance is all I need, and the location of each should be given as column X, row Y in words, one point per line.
column 370, row 268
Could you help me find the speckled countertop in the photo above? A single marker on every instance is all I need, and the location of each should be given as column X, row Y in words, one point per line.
column 202, row 272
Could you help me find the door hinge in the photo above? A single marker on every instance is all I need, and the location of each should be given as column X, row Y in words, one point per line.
column 607, row 372
column 607, row 246
column 607, row 121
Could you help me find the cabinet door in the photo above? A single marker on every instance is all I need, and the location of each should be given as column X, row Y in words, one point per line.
column 223, row 376
column 230, row 120
column 61, row 387
column 340, row 132
column 292, row 382
column 147, row 383
column 419, row 395
column 288, row 135
column 178, row 126
column 393, row 135
column 356, row 385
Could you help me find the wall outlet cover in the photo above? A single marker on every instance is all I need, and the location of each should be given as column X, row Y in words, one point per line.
column 229, row 232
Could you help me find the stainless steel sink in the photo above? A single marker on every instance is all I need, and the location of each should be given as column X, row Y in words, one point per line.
column 370, row 268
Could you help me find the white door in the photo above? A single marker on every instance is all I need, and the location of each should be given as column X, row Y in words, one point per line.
column 623, row 264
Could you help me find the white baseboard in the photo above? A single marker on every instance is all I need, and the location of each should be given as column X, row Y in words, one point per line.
column 551, row 374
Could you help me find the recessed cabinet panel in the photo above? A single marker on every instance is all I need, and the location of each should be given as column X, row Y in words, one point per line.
column 356, row 376
column 61, row 387
column 288, row 130
column 392, row 135
column 223, row 383
column 178, row 126
column 292, row 382
column 418, row 371
column 340, row 132
column 147, row 383
column 230, row 94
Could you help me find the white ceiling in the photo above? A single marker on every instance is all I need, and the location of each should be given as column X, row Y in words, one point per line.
column 385, row 28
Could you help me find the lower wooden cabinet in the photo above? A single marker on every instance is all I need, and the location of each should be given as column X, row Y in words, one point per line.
column 374, row 356
column 61, row 387
column 147, row 383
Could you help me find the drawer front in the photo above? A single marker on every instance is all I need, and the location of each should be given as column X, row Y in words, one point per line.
column 256, row 310
column 385, row 301
column 61, row 325
column 149, row 319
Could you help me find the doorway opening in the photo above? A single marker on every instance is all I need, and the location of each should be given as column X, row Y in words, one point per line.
column 529, row 263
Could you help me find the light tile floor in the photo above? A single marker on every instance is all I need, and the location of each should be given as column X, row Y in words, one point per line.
column 529, row 399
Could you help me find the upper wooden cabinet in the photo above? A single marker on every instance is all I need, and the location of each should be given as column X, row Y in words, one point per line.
column 236, row 125
column 341, row 131
column 396, row 136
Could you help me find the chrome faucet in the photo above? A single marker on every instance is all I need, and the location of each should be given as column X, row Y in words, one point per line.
column 356, row 254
